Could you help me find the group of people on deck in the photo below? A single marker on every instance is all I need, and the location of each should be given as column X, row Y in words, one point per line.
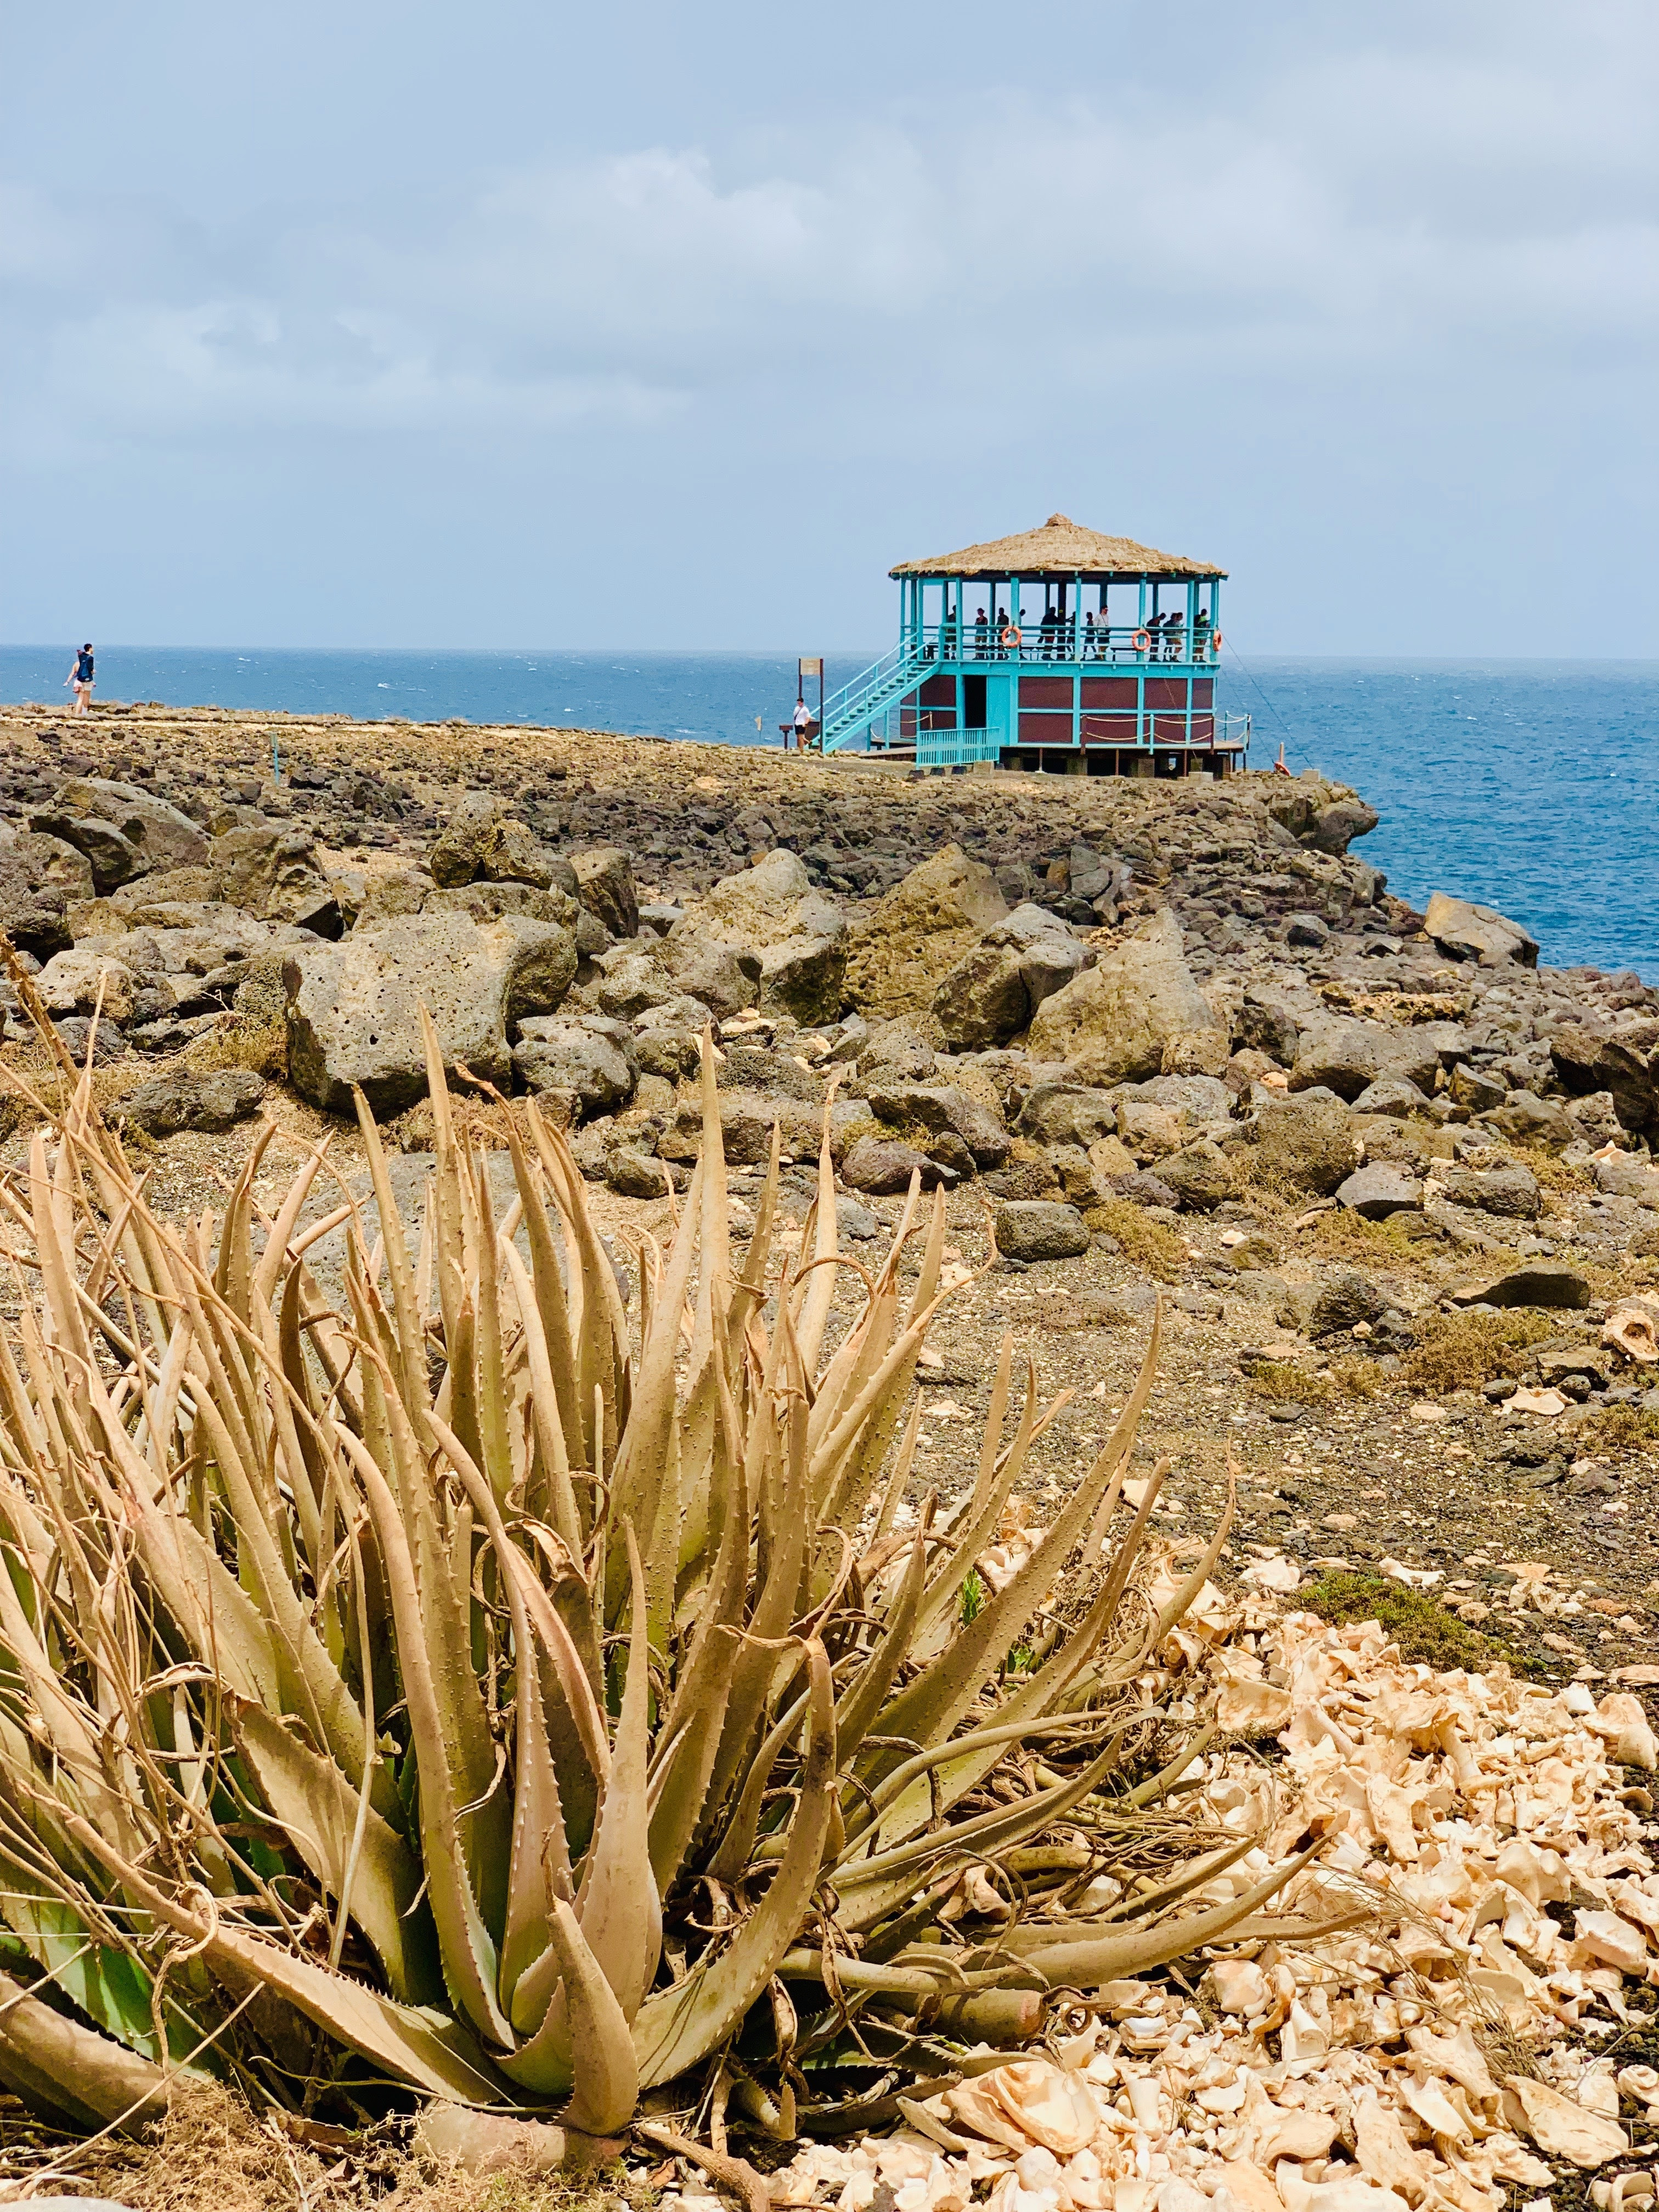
column 997, row 637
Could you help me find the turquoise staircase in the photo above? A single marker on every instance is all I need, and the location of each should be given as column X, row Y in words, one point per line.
column 849, row 712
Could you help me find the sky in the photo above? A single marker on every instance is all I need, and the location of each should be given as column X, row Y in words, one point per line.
column 521, row 323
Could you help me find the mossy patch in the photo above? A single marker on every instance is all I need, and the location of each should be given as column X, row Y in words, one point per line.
column 1425, row 1632
column 1460, row 1352
column 1620, row 1429
column 1150, row 1244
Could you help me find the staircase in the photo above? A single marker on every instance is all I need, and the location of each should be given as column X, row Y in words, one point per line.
column 848, row 712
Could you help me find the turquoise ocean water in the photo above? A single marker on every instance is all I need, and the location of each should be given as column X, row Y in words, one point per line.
column 1528, row 785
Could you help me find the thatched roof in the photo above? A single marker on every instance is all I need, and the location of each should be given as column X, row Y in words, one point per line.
column 1060, row 548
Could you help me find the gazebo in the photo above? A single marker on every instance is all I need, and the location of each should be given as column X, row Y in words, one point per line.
column 1058, row 649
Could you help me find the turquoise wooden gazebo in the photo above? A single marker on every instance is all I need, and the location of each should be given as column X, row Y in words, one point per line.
column 1059, row 650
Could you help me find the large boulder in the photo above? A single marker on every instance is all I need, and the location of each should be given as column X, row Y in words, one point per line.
column 1266, row 1022
column 40, row 879
column 604, row 886
column 992, row 992
column 354, row 1007
column 899, row 956
column 799, row 933
column 1341, row 1054
column 122, row 831
column 592, row 1060
column 724, row 978
column 1623, row 1061
column 937, row 1108
column 1465, row 932
column 271, row 870
column 1305, row 1145
column 1115, row 1022
column 90, row 975
column 457, row 854
column 212, row 1102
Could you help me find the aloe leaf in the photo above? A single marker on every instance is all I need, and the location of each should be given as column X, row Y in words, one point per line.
column 585, row 2038
column 676, row 2027
column 54, row 2062
column 317, row 1807
column 617, row 1906
column 935, row 1702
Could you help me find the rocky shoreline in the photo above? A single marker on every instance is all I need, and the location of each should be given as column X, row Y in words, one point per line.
column 1149, row 1036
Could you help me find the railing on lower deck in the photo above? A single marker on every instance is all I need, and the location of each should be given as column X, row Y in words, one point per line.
column 1205, row 732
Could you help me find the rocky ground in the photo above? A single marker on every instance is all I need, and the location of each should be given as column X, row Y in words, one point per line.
column 1151, row 1038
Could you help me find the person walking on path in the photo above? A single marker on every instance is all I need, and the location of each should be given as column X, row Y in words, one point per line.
column 80, row 679
column 803, row 725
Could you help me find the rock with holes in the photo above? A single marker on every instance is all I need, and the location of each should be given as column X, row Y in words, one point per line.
column 354, row 1008
column 1116, row 1021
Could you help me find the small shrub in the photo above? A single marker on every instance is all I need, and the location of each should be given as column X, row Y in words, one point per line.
column 255, row 1041
column 1150, row 1244
column 1552, row 1172
column 1422, row 1628
column 1460, row 1352
column 1286, row 1384
column 1350, row 1236
column 1621, row 1429
column 1355, row 1376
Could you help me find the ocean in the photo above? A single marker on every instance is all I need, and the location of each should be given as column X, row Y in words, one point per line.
column 1528, row 786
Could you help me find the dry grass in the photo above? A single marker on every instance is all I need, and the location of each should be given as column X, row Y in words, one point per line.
column 213, row 2150
column 259, row 1042
column 1551, row 1171
column 1347, row 1236
column 1621, row 1429
column 1285, row 1383
column 1160, row 1250
column 1460, row 1352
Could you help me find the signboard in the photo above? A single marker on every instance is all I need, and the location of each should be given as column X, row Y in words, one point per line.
column 811, row 668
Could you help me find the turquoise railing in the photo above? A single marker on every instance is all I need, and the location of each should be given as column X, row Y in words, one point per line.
column 848, row 712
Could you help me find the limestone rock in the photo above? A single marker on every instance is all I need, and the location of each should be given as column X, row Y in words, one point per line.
column 1201, row 1175
column 917, row 934
column 1379, row 1189
column 273, row 871
column 1114, row 1022
column 604, row 886
column 1464, row 932
column 123, row 831
column 72, row 983
column 725, row 979
column 40, row 879
column 593, row 1059
column 1266, row 1023
column 1588, row 1058
column 1396, row 1096
column 635, row 1174
column 992, row 992
column 1533, row 1120
column 456, row 853
column 214, row 1100
column 1339, row 1052
column 353, row 1010
column 1040, row 1229
column 805, row 976
column 1512, row 1192
column 939, row 1106
column 1068, row 1114
column 1306, row 1144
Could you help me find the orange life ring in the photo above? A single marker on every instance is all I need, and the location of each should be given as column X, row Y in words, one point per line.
column 1143, row 640
column 1010, row 635
column 1215, row 638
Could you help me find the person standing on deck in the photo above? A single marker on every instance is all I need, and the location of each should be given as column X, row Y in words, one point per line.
column 1201, row 634
column 982, row 633
column 79, row 678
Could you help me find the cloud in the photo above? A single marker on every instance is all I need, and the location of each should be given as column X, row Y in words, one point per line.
column 1367, row 209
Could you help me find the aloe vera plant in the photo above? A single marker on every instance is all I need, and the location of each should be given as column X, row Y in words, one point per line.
column 442, row 1688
